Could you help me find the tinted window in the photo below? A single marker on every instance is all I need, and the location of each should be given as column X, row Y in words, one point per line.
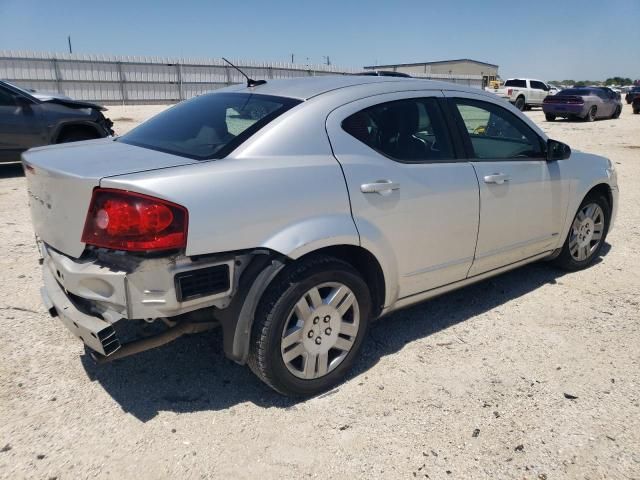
column 209, row 126
column 6, row 98
column 496, row 133
column 411, row 130
column 576, row 91
column 538, row 85
column 516, row 83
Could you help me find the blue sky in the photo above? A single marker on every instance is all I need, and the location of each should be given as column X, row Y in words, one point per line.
column 546, row 39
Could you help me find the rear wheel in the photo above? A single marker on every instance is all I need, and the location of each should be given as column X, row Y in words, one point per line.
column 309, row 326
column 636, row 110
column 587, row 234
column 550, row 117
column 617, row 112
column 591, row 114
column 520, row 103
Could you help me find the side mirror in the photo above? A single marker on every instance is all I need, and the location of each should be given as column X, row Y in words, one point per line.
column 557, row 150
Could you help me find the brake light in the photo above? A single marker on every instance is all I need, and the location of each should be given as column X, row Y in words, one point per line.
column 509, row 91
column 131, row 221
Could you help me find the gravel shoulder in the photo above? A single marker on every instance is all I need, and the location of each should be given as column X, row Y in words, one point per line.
column 469, row 385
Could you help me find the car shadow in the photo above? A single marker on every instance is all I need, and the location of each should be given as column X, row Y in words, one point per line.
column 11, row 170
column 192, row 374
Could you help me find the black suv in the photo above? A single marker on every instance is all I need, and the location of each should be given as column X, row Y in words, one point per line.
column 631, row 94
column 29, row 119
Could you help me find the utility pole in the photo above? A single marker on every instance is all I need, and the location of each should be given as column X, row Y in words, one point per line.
column 292, row 58
column 69, row 40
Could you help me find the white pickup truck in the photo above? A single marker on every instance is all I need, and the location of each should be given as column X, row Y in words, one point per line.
column 524, row 92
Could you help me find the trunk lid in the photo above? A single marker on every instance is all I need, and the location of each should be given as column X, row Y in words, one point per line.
column 61, row 179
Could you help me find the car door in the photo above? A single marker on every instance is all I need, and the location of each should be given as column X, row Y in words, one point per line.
column 523, row 198
column 20, row 127
column 539, row 91
column 410, row 196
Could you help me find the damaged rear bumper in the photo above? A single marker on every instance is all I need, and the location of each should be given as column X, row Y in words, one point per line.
column 90, row 295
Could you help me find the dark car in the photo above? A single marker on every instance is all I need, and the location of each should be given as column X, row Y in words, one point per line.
column 586, row 103
column 29, row 119
column 632, row 94
column 636, row 104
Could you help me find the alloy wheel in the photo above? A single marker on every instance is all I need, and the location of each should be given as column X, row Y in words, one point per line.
column 320, row 330
column 586, row 232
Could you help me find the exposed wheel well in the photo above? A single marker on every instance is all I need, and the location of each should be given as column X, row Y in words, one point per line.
column 366, row 264
column 67, row 130
column 604, row 190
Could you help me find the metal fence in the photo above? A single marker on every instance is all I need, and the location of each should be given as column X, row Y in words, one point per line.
column 111, row 79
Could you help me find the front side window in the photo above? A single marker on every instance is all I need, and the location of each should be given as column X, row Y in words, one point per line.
column 538, row 85
column 411, row 130
column 496, row 133
column 208, row 126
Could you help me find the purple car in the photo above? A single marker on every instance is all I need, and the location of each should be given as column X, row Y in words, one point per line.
column 587, row 103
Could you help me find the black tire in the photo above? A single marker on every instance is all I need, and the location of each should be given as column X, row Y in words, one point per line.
column 520, row 103
column 273, row 313
column 616, row 113
column 77, row 135
column 591, row 114
column 636, row 110
column 565, row 260
column 550, row 117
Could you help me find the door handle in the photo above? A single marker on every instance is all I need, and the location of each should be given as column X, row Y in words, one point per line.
column 383, row 187
column 497, row 178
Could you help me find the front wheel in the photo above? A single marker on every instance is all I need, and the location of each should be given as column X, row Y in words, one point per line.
column 309, row 326
column 587, row 234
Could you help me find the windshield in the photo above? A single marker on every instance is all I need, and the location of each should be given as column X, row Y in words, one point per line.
column 23, row 90
column 208, row 126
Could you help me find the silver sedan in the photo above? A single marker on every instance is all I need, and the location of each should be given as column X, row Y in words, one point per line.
column 292, row 213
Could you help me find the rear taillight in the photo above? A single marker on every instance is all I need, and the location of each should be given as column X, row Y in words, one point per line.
column 509, row 92
column 123, row 220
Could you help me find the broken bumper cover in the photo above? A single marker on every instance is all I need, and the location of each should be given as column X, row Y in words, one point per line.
column 96, row 333
column 90, row 295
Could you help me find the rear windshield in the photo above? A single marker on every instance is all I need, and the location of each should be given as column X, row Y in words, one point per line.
column 516, row 83
column 208, row 126
column 577, row 91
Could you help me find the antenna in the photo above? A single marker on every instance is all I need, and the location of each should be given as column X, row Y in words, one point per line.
column 250, row 81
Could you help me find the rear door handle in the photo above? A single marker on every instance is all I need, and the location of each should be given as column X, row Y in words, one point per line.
column 383, row 187
column 497, row 178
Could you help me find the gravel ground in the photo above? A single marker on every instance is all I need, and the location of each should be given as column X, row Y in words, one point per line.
column 473, row 384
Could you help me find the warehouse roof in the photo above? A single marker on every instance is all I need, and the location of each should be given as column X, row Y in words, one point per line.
column 432, row 63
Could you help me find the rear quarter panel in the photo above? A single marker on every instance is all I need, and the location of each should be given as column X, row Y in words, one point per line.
column 281, row 190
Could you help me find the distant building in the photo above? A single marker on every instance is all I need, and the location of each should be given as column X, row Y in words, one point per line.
column 461, row 67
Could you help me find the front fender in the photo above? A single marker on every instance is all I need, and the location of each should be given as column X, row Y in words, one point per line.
column 590, row 171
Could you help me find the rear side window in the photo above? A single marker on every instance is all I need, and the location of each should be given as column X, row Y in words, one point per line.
column 516, row 83
column 411, row 130
column 496, row 133
column 209, row 126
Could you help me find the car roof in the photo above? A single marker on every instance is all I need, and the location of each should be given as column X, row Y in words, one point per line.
column 304, row 88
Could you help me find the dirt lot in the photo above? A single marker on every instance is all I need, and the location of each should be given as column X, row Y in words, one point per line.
column 470, row 385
